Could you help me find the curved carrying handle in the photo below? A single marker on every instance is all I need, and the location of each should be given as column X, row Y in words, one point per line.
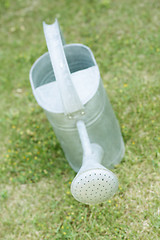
column 70, row 99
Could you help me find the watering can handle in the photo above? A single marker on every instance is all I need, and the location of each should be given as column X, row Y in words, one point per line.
column 70, row 99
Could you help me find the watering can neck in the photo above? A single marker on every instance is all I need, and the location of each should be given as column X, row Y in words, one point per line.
column 70, row 99
column 92, row 152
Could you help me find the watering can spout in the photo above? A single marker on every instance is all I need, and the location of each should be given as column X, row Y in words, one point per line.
column 94, row 183
column 70, row 99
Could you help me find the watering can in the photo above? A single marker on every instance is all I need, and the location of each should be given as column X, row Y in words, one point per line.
column 66, row 83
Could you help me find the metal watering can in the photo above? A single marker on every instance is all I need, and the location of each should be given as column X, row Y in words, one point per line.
column 66, row 83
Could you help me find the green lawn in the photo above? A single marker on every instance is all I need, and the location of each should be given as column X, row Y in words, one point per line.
column 35, row 198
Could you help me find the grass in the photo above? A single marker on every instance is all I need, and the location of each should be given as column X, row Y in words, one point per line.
column 35, row 199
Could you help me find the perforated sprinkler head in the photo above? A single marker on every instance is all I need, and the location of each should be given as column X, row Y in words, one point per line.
column 94, row 186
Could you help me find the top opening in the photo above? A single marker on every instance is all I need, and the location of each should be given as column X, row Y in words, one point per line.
column 79, row 57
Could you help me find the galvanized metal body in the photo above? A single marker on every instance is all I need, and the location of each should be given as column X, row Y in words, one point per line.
column 98, row 116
